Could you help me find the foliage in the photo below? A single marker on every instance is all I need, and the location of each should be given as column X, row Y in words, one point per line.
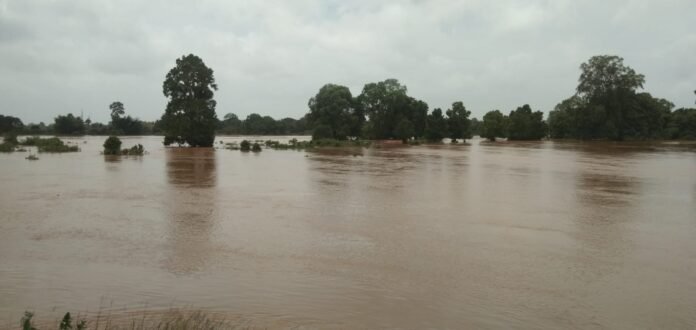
column 386, row 103
column 112, row 146
column 53, row 144
column 10, row 124
column 7, row 147
column 69, row 125
column 525, row 124
column 117, row 110
column 681, row 124
column 494, row 125
column 256, row 147
column 436, row 128
column 458, row 123
column 334, row 107
column 26, row 322
column 404, row 130
column 136, row 150
column 245, row 146
column 320, row 143
column 190, row 114
column 322, row 132
column 10, row 138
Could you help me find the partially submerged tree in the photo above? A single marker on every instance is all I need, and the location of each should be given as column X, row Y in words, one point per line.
column 493, row 125
column 190, row 115
column 458, row 123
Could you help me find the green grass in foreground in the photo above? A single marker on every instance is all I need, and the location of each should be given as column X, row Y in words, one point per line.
column 169, row 320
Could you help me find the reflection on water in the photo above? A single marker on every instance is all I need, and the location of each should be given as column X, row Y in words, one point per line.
column 190, row 203
column 478, row 235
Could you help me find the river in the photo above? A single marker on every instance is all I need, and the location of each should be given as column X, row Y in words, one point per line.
column 494, row 235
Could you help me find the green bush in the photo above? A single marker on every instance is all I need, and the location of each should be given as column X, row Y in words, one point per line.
column 7, row 147
column 112, row 146
column 53, row 144
column 256, row 147
column 10, row 138
column 136, row 150
column 245, row 146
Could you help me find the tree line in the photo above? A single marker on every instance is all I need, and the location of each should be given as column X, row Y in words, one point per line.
column 606, row 105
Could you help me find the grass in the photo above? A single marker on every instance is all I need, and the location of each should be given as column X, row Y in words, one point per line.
column 173, row 319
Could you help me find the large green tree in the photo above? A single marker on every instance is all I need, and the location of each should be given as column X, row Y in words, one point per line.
column 334, row 107
column 69, row 125
column 10, row 124
column 458, row 122
column 608, row 87
column 436, row 128
column 190, row 114
column 494, row 125
column 524, row 124
column 386, row 103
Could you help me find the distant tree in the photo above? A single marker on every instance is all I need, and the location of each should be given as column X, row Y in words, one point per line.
column 230, row 124
column 385, row 103
column 404, row 130
column 458, row 122
column 681, row 124
column 493, row 125
column 69, row 125
column 190, row 115
column 10, row 124
column 333, row 106
column 117, row 110
column 523, row 124
column 436, row 128
column 245, row 146
column 607, row 86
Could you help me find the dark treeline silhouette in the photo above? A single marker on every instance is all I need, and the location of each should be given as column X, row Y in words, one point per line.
column 606, row 105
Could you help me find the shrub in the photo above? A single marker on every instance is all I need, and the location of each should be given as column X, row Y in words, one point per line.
column 53, row 144
column 136, row 150
column 112, row 146
column 256, row 147
column 7, row 147
column 10, row 138
column 245, row 146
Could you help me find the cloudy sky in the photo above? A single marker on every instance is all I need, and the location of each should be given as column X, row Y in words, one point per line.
column 270, row 57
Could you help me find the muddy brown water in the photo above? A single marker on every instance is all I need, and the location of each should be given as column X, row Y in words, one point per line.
column 529, row 235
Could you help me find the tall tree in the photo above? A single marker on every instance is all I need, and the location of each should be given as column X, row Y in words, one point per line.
column 10, row 124
column 190, row 114
column 523, row 124
column 386, row 103
column 458, row 122
column 69, row 125
column 117, row 110
column 606, row 83
column 494, row 125
column 334, row 107
column 436, row 129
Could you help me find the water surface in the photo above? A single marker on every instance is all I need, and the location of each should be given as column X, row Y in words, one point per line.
column 535, row 235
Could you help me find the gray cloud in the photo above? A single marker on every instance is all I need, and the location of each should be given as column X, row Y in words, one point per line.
column 270, row 57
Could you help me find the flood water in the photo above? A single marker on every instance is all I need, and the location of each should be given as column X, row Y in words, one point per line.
column 533, row 235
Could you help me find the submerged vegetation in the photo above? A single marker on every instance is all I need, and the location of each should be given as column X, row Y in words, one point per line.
column 294, row 144
column 52, row 144
column 112, row 146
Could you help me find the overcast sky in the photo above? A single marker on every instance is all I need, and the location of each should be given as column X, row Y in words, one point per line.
column 270, row 57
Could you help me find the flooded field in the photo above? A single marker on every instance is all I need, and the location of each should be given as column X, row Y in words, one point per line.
column 533, row 235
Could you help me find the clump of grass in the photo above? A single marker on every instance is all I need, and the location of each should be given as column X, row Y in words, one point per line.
column 53, row 144
column 171, row 320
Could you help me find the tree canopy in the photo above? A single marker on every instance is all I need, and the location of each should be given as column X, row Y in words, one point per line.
column 190, row 114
